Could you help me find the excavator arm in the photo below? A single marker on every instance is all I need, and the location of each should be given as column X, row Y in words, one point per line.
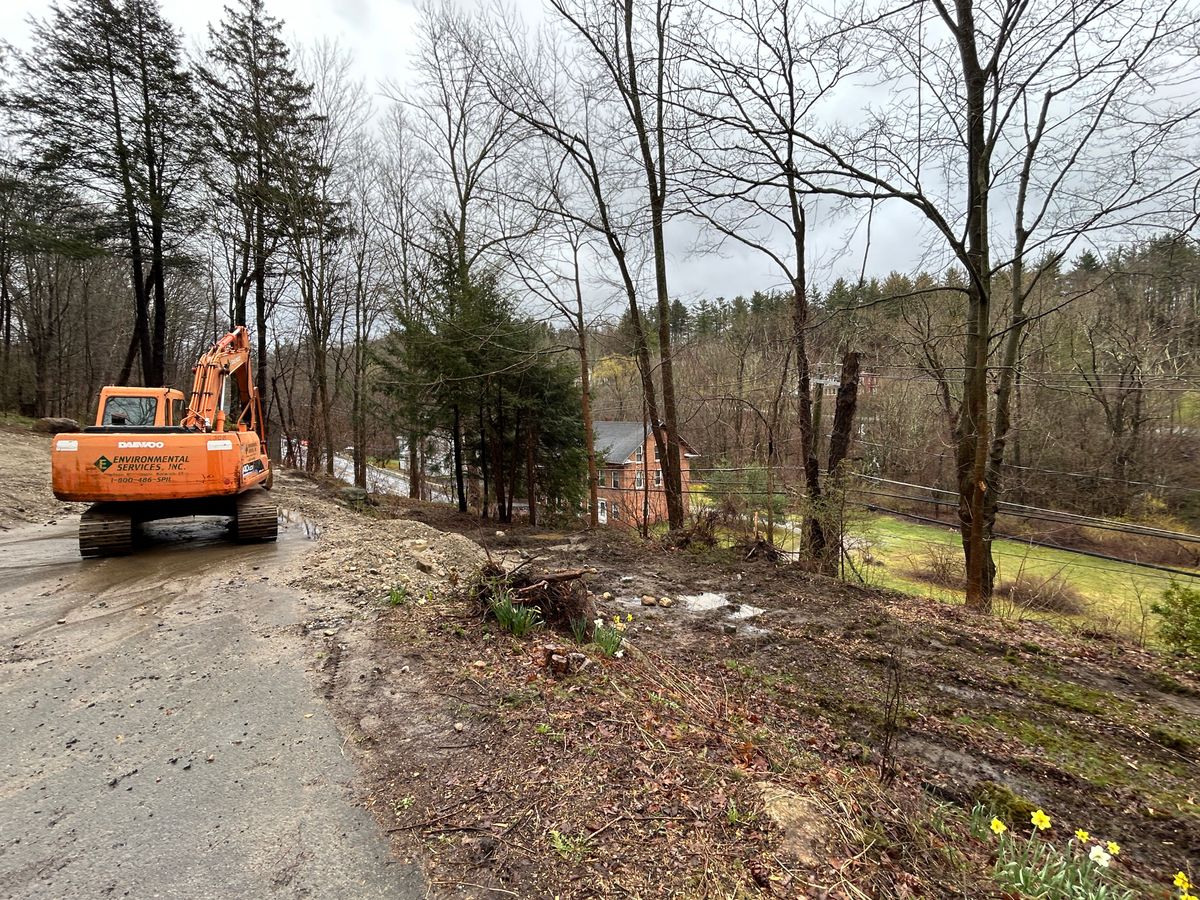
column 229, row 356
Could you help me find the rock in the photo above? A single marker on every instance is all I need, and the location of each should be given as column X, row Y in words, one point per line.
column 626, row 579
column 353, row 495
column 728, row 628
column 459, row 726
column 649, row 600
column 665, row 602
column 499, row 534
column 803, row 828
column 607, row 595
column 424, row 562
column 55, row 425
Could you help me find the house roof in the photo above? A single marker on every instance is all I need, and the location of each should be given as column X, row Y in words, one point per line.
column 616, row 442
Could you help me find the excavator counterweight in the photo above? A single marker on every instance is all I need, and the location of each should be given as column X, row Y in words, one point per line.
column 145, row 458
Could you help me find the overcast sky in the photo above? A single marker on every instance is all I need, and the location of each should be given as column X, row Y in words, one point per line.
column 381, row 34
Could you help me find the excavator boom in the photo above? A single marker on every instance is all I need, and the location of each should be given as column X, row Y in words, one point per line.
column 229, row 356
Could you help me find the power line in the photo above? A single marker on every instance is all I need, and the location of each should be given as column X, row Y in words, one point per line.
column 1173, row 536
column 1046, row 545
column 1087, row 475
column 1075, row 518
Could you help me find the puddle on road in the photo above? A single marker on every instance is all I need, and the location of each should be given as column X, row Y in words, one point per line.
column 295, row 522
column 746, row 611
column 156, row 543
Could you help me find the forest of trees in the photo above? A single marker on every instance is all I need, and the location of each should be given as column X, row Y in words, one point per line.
column 474, row 255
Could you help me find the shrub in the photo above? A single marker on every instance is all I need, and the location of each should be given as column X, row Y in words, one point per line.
column 1179, row 612
column 1049, row 593
column 514, row 618
column 942, row 565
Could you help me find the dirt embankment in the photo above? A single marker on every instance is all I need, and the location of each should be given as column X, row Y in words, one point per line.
column 25, row 495
column 737, row 747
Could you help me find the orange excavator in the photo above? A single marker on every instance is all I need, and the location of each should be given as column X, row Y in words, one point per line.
column 143, row 460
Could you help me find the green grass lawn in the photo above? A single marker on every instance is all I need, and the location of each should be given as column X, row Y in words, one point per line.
column 1116, row 595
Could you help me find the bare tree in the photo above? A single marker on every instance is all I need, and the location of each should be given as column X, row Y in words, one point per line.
column 585, row 97
column 317, row 193
column 554, row 273
column 760, row 73
column 397, row 214
column 1050, row 112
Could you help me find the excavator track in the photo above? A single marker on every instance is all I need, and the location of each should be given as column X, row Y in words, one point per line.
column 105, row 532
column 257, row 517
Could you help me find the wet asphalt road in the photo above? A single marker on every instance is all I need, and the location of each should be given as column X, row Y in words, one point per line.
column 159, row 736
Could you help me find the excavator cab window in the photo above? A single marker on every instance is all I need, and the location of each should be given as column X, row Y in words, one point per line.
column 124, row 412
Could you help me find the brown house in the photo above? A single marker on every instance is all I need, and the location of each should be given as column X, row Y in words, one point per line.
column 630, row 475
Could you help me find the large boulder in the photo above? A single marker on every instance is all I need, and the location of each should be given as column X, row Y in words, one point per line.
column 55, row 425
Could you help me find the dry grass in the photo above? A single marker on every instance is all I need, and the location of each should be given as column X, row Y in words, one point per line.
column 940, row 565
column 1042, row 593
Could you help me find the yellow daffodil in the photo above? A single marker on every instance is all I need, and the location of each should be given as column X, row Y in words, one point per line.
column 1187, row 897
column 1181, row 881
column 998, row 827
column 1082, row 835
column 1040, row 820
column 1099, row 856
column 628, row 617
column 1114, row 848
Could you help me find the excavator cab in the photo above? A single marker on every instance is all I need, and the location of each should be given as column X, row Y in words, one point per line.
column 123, row 408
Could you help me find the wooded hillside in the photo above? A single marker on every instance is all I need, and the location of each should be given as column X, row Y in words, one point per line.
column 467, row 265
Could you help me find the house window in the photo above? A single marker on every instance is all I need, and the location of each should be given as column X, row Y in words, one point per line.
column 616, row 478
column 638, row 455
column 638, row 480
column 615, row 510
column 658, row 477
column 657, row 455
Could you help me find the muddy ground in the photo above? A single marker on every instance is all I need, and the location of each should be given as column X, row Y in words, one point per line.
column 163, row 730
column 742, row 745
column 737, row 748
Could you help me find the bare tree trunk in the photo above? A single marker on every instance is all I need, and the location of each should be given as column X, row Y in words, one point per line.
column 654, row 164
column 414, row 467
column 840, row 437
column 585, row 383
column 973, row 426
column 456, row 438
column 531, row 472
